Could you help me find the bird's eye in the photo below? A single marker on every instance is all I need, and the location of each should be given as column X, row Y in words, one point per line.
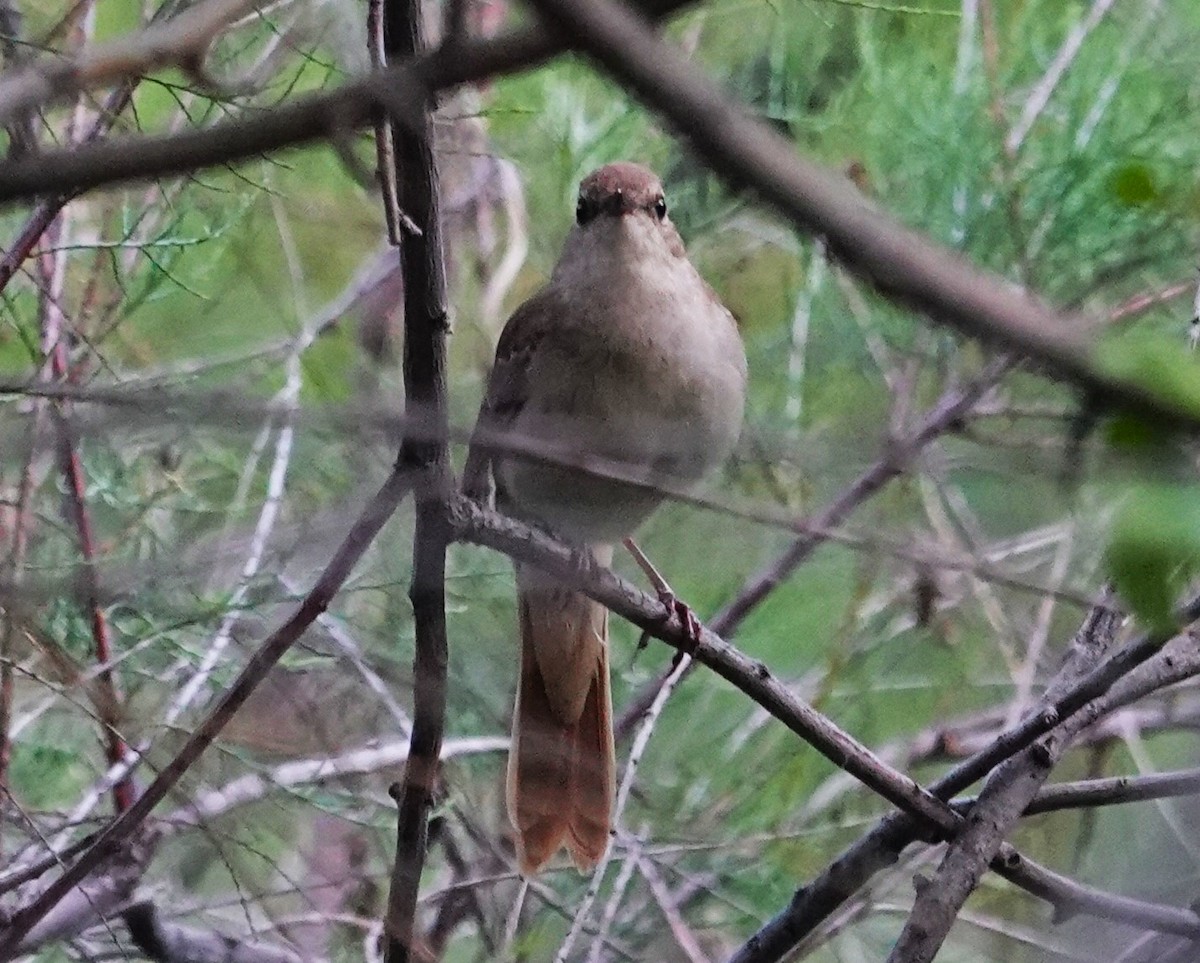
column 583, row 212
column 660, row 208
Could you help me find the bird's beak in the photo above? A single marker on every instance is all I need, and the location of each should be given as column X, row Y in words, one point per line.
column 617, row 204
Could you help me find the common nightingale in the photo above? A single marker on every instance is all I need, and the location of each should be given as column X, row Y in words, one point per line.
column 626, row 356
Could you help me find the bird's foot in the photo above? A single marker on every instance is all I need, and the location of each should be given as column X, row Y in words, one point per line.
column 675, row 607
column 692, row 629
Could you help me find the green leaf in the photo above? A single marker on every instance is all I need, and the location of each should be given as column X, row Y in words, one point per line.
column 1155, row 550
column 1133, row 185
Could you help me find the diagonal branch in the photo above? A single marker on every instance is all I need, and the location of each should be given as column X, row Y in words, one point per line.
column 883, row 844
column 949, row 410
column 922, row 813
column 1008, row 792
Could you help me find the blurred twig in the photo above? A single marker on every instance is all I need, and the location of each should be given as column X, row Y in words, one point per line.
column 685, row 939
column 181, row 41
column 1039, row 97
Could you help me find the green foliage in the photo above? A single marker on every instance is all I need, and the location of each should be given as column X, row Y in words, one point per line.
column 1154, row 552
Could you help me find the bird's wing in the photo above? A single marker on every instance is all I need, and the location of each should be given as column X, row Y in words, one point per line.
column 507, row 389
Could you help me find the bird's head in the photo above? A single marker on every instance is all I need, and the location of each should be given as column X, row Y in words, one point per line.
column 622, row 209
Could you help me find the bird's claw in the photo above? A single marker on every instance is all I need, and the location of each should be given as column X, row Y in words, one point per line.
column 677, row 608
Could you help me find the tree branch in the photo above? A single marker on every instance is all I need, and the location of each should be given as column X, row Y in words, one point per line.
column 949, row 410
column 181, row 41
column 1008, row 792
column 883, row 844
column 426, row 325
column 922, row 814
column 1114, row 790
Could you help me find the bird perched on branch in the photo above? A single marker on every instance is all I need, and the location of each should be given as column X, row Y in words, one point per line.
column 627, row 360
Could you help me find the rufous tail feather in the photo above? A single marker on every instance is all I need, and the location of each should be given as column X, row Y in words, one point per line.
column 561, row 764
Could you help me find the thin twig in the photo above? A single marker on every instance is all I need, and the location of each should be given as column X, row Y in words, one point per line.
column 181, row 41
column 619, row 888
column 946, row 413
column 1039, row 97
column 666, row 687
column 685, row 939
column 210, row 803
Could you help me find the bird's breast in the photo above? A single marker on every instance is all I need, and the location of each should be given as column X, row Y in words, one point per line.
column 646, row 383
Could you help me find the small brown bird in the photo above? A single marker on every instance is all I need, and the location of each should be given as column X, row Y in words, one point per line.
column 627, row 356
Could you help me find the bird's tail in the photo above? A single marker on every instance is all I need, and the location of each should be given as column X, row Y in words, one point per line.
column 560, row 766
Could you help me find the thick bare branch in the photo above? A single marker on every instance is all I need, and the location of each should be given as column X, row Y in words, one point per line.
column 426, row 324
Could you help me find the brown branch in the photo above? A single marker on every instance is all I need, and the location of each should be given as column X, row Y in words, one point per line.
column 52, row 267
column 474, row 524
column 1008, row 792
column 118, row 832
column 426, row 325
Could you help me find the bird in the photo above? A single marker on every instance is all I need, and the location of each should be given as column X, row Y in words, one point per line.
column 629, row 359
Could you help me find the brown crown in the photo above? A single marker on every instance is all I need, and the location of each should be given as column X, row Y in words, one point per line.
column 635, row 185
